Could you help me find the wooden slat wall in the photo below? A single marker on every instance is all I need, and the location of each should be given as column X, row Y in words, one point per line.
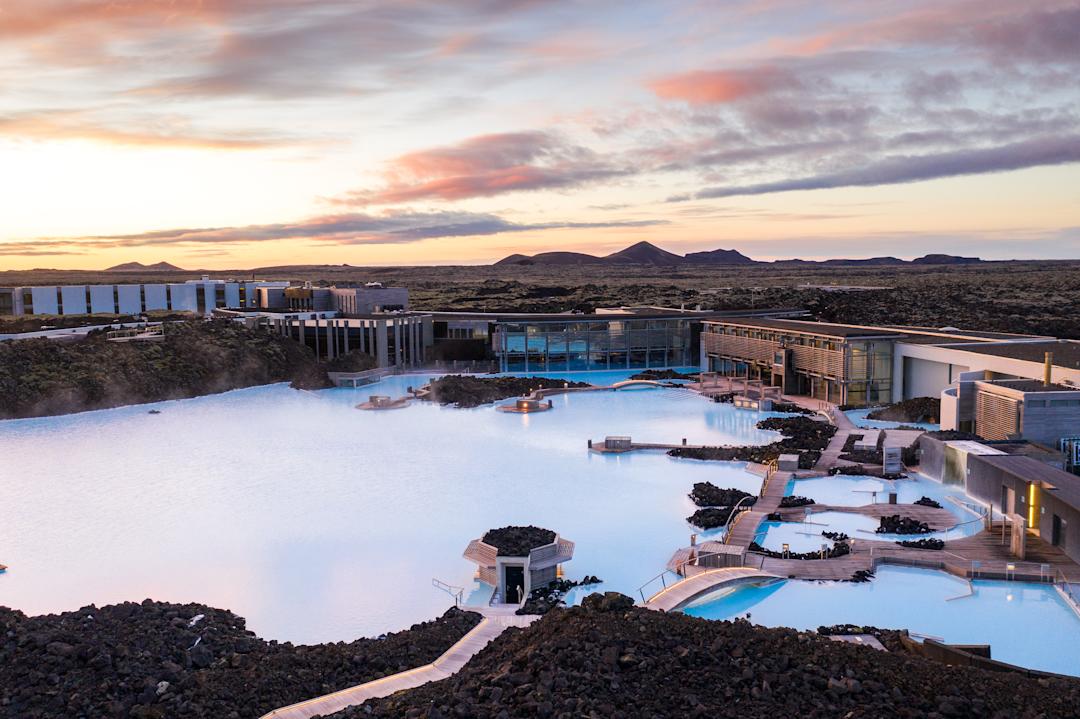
column 815, row 360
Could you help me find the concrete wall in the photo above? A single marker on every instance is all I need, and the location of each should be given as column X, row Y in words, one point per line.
column 101, row 299
column 1048, row 424
column 73, row 298
column 156, row 297
column 932, row 457
column 45, row 300
column 183, row 297
column 130, row 298
column 927, row 378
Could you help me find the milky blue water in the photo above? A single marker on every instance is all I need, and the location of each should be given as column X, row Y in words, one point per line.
column 858, row 416
column 1025, row 624
column 320, row 522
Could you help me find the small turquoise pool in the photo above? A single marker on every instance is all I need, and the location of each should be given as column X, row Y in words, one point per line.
column 854, row 491
column 1025, row 624
column 858, row 416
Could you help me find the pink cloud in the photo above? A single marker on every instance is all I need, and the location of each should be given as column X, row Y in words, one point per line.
column 708, row 87
column 486, row 165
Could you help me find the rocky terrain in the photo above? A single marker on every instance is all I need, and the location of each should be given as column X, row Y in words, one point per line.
column 466, row 391
column 515, row 541
column 159, row 661
column 43, row 377
column 707, row 494
column 918, row 409
column 609, row 659
column 802, row 435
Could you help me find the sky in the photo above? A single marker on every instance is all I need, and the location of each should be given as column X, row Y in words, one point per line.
column 244, row 133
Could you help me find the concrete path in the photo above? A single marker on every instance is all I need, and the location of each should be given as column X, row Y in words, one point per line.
column 494, row 623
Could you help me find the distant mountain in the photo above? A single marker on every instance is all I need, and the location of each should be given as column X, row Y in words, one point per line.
column 551, row 258
column 945, row 260
column 720, row 257
column 140, row 267
column 645, row 253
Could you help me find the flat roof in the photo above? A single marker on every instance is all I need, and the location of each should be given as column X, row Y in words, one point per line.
column 1026, row 385
column 1065, row 486
column 826, row 329
column 1066, row 352
column 648, row 314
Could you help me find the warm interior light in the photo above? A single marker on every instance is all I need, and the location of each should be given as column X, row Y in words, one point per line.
column 1031, row 504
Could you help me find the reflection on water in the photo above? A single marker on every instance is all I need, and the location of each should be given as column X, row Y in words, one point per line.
column 320, row 522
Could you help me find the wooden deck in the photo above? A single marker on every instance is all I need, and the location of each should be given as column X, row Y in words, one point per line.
column 493, row 624
column 745, row 527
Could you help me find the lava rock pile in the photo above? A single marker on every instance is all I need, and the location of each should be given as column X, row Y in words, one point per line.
column 610, row 659
column 895, row 524
column 156, row 661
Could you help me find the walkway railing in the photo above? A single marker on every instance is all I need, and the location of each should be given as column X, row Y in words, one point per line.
column 731, row 516
column 677, row 571
column 771, row 468
column 457, row 593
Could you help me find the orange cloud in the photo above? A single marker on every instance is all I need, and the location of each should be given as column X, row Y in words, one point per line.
column 708, row 87
column 73, row 125
column 487, row 165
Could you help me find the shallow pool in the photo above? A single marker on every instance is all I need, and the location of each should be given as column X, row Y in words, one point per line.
column 1025, row 624
column 319, row 522
column 853, row 491
column 858, row 416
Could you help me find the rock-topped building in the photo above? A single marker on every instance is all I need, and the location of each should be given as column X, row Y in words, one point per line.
column 517, row 560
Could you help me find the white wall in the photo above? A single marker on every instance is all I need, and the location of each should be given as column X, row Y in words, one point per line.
column 73, row 298
column 129, row 298
column 232, row 294
column 45, row 300
column 101, row 299
column 927, row 378
column 183, row 297
column 156, row 298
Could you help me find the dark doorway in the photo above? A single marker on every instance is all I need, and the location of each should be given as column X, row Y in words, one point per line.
column 1057, row 536
column 513, row 583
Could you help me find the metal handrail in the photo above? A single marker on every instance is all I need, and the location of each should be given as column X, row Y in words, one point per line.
column 456, row 592
column 734, row 511
column 681, row 565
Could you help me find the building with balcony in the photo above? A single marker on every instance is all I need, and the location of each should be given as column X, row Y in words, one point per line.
column 842, row 364
column 866, row 365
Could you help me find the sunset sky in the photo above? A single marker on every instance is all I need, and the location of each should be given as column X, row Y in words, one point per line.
column 242, row 133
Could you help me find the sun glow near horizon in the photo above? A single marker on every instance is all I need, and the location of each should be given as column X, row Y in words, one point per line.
column 241, row 135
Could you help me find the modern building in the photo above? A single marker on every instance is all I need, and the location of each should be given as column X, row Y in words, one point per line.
column 200, row 296
column 515, row 574
column 608, row 339
column 1043, row 500
column 861, row 365
column 1002, row 409
column 392, row 339
column 371, row 298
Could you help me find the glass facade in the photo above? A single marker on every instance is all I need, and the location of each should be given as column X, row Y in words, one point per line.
column 593, row 345
column 869, row 375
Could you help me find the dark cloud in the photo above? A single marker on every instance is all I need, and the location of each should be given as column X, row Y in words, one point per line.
column 1054, row 150
column 343, row 229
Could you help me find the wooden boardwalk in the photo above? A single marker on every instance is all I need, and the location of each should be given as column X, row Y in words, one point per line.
column 494, row 623
column 745, row 527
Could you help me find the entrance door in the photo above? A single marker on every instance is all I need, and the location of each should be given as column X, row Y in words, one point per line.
column 513, row 584
column 1057, row 537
